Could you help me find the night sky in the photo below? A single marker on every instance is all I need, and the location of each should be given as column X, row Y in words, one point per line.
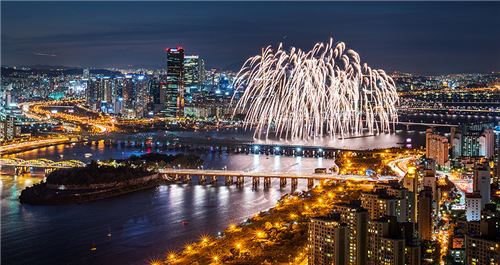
column 431, row 37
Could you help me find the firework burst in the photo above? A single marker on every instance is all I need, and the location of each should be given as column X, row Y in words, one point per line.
column 299, row 94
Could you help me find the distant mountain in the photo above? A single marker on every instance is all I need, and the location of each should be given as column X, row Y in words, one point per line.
column 52, row 71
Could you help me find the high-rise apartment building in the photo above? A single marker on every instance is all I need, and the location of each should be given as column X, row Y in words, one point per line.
column 380, row 204
column 437, row 148
column 8, row 128
column 386, row 243
column 356, row 219
column 482, row 182
column 473, row 206
column 484, row 248
column 473, row 140
column 425, row 214
column 327, row 241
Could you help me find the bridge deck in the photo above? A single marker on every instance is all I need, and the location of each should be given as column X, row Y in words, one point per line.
column 273, row 174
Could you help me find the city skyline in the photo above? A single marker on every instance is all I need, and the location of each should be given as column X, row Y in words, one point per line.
column 427, row 38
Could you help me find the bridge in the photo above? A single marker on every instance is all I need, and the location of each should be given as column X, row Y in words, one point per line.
column 24, row 166
column 238, row 176
column 427, row 124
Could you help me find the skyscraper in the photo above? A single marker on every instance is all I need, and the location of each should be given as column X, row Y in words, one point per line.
column 194, row 72
column 173, row 85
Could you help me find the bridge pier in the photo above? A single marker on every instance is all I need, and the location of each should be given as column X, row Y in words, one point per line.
column 267, row 182
column 310, row 183
column 255, row 182
column 295, row 183
column 229, row 180
column 282, row 182
column 187, row 179
column 213, row 180
column 202, row 180
column 240, row 181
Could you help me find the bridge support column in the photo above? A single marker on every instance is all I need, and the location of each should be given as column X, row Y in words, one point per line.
column 176, row 177
column 282, row 182
column 202, row 179
column 213, row 180
column 187, row 178
column 240, row 181
column 295, row 183
column 310, row 183
column 255, row 182
column 267, row 182
column 229, row 180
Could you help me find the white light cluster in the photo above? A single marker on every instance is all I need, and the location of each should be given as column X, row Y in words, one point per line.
column 299, row 94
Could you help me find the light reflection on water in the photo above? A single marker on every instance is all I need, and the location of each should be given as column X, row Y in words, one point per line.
column 142, row 225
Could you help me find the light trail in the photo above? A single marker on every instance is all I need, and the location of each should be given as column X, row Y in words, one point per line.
column 304, row 94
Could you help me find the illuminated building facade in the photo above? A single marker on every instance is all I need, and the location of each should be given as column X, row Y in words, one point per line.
column 356, row 219
column 437, row 147
column 173, row 85
column 328, row 242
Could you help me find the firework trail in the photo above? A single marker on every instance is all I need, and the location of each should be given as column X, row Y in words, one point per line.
column 325, row 91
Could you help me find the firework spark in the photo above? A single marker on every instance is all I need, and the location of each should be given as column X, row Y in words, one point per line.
column 325, row 91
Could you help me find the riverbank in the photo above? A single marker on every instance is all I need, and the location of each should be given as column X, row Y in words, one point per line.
column 274, row 236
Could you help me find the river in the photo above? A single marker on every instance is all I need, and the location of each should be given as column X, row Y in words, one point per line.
column 141, row 226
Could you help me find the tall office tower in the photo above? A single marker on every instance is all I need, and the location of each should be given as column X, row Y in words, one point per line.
column 379, row 204
column 92, row 93
column 327, row 241
column 129, row 93
column 356, row 219
column 482, row 182
column 386, row 243
column 487, row 143
column 473, row 206
column 194, row 71
column 142, row 95
column 101, row 94
column 425, row 213
column 108, row 90
column 437, row 147
column 156, row 102
column 173, row 86
column 485, row 247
